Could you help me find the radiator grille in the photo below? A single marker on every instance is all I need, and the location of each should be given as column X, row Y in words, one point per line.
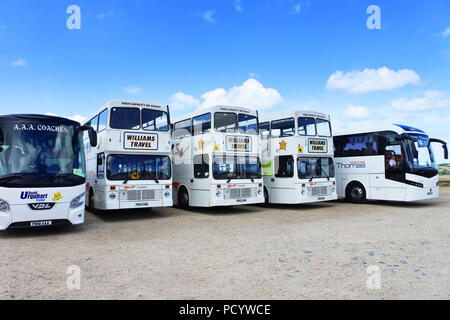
column 320, row 191
column 241, row 193
column 139, row 195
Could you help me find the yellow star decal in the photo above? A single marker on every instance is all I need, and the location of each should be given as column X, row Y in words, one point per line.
column 201, row 144
column 283, row 145
column 57, row 196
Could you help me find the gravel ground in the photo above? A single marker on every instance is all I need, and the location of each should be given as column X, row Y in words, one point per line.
column 318, row 251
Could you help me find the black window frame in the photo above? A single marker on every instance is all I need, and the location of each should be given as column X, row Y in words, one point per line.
column 148, row 109
column 279, row 120
column 204, row 166
column 98, row 120
column 126, row 108
column 248, row 115
column 329, row 125
column 277, row 166
column 307, row 135
column 236, row 130
column 202, row 132
column 261, row 130
column 101, row 156
column 185, row 135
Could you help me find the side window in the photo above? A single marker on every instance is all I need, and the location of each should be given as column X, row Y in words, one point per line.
column 182, row 129
column 201, row 166
column 284, row 167
column 101, row 165
column 202, row 124
column 102, row 120
column 357, row 145
column 264, row 129
column 94, row 123
column 283, row 128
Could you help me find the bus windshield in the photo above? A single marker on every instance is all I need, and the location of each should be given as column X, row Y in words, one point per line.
column 236, row 167
column 40, row 152
column 310, row 168
column 138, row 167
column 248, row 124
column 420, row 155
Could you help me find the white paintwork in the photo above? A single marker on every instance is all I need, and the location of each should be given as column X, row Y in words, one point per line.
column 202, row 192
column 370, row 172
column 295, row 190
column 113, row 141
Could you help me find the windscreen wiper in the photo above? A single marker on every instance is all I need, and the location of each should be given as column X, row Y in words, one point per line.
column 328, row 177
column 10, row 177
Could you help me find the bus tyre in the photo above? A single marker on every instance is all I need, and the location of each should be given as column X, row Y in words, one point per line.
column 91, row 199
column 183, row 199
column 266, row 197
column 356, row 193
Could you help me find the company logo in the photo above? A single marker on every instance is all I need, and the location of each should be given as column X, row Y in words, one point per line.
column 352, row 165
column 41, row 206
column 57, row 196
column 27, row 195
column 283, row 145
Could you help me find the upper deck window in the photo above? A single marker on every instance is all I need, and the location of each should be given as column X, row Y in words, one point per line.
column 283, row 127
column 125, row 118
column 306, row 126
column 248, row 124
column 225, row 122
column 202, row 124
column 182, row 129
column 102, row 120
column 154, row 120
column 264, row 129
column 323, row 128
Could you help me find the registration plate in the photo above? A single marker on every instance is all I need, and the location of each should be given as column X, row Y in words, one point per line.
column 40, row 223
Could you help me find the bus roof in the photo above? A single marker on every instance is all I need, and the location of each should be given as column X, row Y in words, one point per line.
column 218, row 108
column 296, row 114
column 39, row 117
column 129, row 104
column 398, row 128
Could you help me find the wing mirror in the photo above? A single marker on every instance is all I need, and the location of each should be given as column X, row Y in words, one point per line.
column 92, row 135
column 444, row 146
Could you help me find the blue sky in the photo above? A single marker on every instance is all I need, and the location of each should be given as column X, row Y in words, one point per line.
column 277, row 55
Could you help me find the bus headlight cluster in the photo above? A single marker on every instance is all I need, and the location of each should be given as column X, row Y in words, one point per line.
column 303, row 192
column 112, row 196
column 4, row 207
column 218, row 193
column 77, row 202
column 167, row 194
column 260, row 191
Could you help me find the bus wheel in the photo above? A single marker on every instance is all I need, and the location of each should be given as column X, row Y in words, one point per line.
column 91, row 199
column 183, row 199
column 266, row 197
column 356, row 193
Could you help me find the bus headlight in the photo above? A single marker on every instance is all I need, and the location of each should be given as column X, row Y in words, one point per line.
column 77, row 202
column 4, row 206
column 218, row 194
column 112, row 196
column 260, row 191
column 303, row 192
column 167, row 194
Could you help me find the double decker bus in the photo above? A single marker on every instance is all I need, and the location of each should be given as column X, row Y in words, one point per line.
column 297, row 154
column 216, row 158
column 131, row 166
column 42, row 171
column 393, row 163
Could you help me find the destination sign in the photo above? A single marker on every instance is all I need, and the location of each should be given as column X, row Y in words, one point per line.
column 140, row 141
column 236, row 143
column 318, row 146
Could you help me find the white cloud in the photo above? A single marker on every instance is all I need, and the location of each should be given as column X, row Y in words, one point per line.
column 357, row 112
column 208, row 16
column 238, row 5
column 19, row 63
column 250, row 94
column 296, row 8
column 431, row 100
column 370, row 80
column 445, row 33
column 132, row 89
column 180, row 101
column 253, row 75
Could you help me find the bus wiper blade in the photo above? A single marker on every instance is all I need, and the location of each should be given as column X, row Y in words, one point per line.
column 126, row 181
column 12, row 177
column 328, row 177
column 156, row 180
